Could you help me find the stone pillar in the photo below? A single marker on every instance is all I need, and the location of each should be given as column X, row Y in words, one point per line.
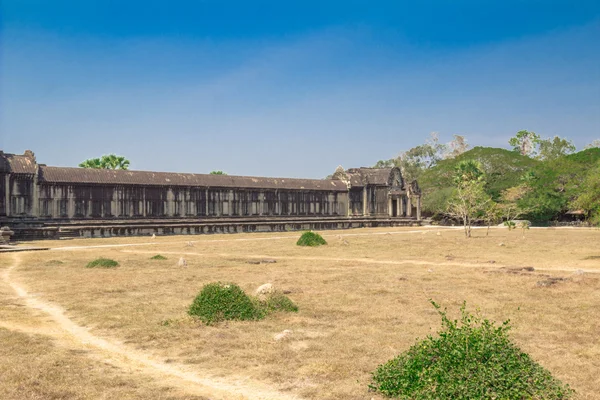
column 114, row 203
column 365, row 201
column 261, row 202
column 144, row 201
column 390, row 211
column 398, row 206
column 408, row 205
column 206, row 202
column 401, row 205
column 70, row 202
column 418, row 208
column 35, row 195
column 170, row 202
column 7, row 192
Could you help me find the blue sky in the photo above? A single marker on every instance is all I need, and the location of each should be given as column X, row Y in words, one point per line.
column 292, row 89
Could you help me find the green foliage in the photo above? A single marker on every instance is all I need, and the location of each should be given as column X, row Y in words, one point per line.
column 588, row 198
column 279, row 302
column 469, row 201
column 110, row 161
column 102, row 263
column 158, row 257
column 217, row 302
column 503, row 169
column 217, row 173
column 311, row 238
column 551, row 149
column 525, row 142
column 558, row 183
column 510, row 225
column 469, row 359
column 467, row 171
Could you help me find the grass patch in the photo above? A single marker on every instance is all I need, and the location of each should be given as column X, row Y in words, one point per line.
column 51, row 263
column 311, row 238
column 469, row 359
column 279, row 302
column 158, row 257
column 102, row 263
column 592, row 258
column 217, row 302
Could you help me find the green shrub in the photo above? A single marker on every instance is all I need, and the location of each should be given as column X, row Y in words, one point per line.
column 102, row 263
column 158, row 257
column 310, row 238
column 469, row 359
column 279, row 302
column 217, row 302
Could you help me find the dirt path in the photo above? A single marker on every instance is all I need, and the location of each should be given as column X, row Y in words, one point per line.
column 70, row 334
column 364, row 260
column 104, row 246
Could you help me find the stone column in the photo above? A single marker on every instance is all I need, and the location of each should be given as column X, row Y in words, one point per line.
column 418, row 208
column 35, row 195
column 114, row 203
column 261, row 202
column 365, row 201
column 398, row 206
column 70, row 202
column 170, row 202
column 7, row 192
column 390, row 211
column 401, row 205
column 408, row 205
column 206, row 202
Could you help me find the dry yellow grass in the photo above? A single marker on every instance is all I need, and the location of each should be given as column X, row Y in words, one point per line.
column 363, row 299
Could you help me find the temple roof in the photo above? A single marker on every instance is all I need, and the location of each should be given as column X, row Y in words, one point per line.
column 369, row 176
column 127, row 177
column 18, row 164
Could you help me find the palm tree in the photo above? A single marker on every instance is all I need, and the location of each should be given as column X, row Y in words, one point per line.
column 110, row 161
column 91, row 163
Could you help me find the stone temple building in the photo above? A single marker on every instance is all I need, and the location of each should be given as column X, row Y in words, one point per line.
column 38, row 201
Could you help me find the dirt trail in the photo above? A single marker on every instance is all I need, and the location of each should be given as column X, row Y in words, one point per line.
column 364, row 260
column 127, row 358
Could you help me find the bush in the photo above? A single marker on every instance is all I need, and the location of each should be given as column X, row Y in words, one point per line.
column 310, row 238
column 158, row 257
column 217, row 302
column 279, row 302
column 470, row 359
column 102, row 263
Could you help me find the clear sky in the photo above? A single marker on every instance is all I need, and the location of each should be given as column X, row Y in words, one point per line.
column 290, row 88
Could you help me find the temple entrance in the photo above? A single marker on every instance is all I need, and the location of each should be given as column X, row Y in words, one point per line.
column 394, row 207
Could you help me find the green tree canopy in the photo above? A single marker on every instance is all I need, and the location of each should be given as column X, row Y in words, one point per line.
column 551, row 149
column 109, row 161
column 525, row 142
column 217, row 173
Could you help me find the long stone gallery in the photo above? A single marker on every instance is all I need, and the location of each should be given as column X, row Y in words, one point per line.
column 40, row 201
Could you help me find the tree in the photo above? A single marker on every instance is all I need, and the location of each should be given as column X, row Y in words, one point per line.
column 413, row 162
column 595, row 143
column 110, row 161
column 91, row 163
column 525, row 142
column 457, row 146
column 469, row 200
column 217, row 173
column 385, row 163
column 589, row 198
column 551, row 149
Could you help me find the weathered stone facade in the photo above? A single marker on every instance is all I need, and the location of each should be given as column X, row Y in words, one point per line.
column 48, row 199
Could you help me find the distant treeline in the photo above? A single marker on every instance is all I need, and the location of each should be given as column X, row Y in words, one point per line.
column 541, row 180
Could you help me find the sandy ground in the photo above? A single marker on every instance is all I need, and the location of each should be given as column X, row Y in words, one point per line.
column 363, row 299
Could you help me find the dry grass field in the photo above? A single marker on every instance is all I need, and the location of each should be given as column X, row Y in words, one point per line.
column 70, row 332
